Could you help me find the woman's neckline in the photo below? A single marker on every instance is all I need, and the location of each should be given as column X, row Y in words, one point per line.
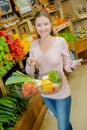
column 48, row 49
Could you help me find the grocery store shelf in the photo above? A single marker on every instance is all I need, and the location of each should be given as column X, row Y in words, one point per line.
column 66, row 24
column 81, row 17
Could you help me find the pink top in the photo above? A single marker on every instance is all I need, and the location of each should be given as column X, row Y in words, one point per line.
column 56, row 58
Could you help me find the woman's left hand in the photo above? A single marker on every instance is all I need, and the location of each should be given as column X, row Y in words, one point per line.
column 76, row 64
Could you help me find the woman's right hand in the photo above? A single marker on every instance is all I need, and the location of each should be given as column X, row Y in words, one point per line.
column 32, row 62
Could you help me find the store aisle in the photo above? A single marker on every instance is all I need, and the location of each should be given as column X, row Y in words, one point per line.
column 78, row 85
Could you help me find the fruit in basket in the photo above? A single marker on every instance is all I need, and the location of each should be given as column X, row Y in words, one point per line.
column 29, row 89
column 46, row 85
column 51, row 82
column 54, row 76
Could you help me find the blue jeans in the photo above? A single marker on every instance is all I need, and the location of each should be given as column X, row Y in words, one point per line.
column 61, row 110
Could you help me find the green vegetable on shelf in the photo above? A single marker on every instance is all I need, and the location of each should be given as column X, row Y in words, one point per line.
column 2, row 54
column 69, row 37
column 7, row 103
column 10, row 98
column 2, row 70
column 7, row 128
column 1, row 48
column 8, row 67
column 4, row 118
column 1, row 127
column 2, row 39
column 5, row 112
column 6, row 108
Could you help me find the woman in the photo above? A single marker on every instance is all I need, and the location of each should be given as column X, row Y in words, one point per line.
column 47, row 53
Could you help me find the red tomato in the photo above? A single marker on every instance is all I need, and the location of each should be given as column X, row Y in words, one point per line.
column 25, row 93
column 28, row 86
column 34, row 90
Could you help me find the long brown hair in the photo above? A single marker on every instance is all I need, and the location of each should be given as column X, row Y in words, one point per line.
column 45, row 14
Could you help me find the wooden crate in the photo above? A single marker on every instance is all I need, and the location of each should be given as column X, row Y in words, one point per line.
column 32, row 118
column 23, row 28
column 81, row 49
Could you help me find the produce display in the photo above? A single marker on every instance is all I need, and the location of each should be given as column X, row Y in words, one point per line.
column 58, row 20
column 11, row 51
column 12, row 107
column 59, row 23
column 27, row 86
column 14, row 45
column 69, row 37
column 81, row 32
column 6, row 58
column 24, row 41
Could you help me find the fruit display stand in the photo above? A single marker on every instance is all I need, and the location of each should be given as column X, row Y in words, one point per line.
column 32, row 118
column 17, row 66
column 36, row 107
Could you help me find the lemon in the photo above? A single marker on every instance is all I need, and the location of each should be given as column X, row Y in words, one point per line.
column 47, row 85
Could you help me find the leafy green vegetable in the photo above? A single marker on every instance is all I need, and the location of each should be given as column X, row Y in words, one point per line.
column 54, row 76
column 69, row 37
column 18, row 77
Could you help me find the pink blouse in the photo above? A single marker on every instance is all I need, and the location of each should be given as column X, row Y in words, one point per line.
column 56, row 58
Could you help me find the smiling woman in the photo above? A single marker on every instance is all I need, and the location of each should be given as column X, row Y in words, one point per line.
column 51, row 53
column 41, row 20
column 43, row 26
